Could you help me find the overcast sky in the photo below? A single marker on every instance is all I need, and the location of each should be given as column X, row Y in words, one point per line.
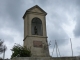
column 62, row 20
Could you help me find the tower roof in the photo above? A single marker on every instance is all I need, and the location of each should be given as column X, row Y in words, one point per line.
column 41, row 11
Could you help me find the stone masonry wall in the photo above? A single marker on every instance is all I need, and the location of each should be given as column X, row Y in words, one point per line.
column 46, row 58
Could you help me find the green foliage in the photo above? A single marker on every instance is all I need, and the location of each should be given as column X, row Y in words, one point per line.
column 19, row 51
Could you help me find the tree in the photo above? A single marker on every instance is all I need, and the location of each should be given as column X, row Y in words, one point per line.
column 2, row 47
column 1, row 58
column 20, row 51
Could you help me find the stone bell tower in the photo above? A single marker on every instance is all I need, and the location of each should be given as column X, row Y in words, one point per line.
column 35, row 37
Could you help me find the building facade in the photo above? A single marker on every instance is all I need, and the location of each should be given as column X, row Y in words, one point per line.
column 35, row 36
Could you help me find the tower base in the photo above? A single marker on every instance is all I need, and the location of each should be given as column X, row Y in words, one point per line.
column 46, row 58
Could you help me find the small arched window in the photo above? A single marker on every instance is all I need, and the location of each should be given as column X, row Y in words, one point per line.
column 36, row 26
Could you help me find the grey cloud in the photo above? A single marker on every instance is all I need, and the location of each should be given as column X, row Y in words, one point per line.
column 7, row 38
column 56, row 3
column 11, row 14
column 78, row 2
column 77, row 49
column 77, row 28
column 11, row 17
column 13, row 9
column 42, row 2
column 58, row 34
column 55, row 30
column 58, row 18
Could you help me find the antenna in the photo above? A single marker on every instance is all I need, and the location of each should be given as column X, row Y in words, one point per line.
column 49, row 43
column 57, row 49
column 71, row 47
column 53, row 49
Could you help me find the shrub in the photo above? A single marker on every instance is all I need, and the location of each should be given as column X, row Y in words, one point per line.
column 19, row 51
